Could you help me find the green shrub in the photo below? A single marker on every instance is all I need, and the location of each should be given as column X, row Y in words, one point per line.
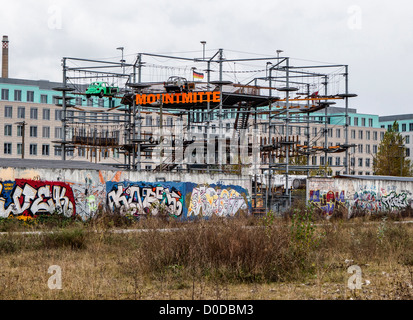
column 73, row 238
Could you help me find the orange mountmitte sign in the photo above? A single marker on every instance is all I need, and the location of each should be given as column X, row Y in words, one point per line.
column 189, row 97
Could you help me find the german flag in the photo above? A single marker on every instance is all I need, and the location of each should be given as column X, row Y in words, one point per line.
column 198, row 75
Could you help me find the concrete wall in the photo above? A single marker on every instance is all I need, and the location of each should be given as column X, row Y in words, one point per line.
column 350, row 194
column 28, row 192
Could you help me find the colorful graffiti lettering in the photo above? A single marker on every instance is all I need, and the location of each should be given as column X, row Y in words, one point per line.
column 144, row 198
column 367, row 200
column 221, row 202
column 328, row 201
column 32, row 197
column 91, row 194
column 380, row 201
column 394, row 201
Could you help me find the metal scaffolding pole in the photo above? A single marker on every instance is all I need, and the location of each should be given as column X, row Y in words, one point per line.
column 325, row 83
column 346, row 123
column 287, row 106
column 64, row 110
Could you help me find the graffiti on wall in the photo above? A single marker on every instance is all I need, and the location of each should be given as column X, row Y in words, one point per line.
column 92, row 194
column 208, row 201
column 380, row 200
column 142, row 198
column 327, row 201
column 31, row 197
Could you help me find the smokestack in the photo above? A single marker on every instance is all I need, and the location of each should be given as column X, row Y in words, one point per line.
column 5, row 58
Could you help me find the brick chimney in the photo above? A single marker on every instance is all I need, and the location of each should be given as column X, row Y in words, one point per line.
column 5, row 58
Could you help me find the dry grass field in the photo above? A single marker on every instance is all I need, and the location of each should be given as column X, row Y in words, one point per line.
column 298, row 258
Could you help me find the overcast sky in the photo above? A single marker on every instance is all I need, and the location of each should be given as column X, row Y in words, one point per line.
column 375, row 38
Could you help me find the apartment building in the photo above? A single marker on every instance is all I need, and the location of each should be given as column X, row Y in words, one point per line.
column 405, row 122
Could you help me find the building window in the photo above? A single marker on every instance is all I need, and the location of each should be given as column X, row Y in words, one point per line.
column 360, row 162
column 314, row 131
column 58, row 115
column 404, row 127
column 407, row 139
column 367, row 148
column 410, row 126
column 360, row 148
column 381, row 136
column 352, row 162
column 338, row 160
column 375, row 135
column 45, row 150
column 8, row 130
column 4, row 94
column 361, row 134
column 30, row 96
column 407, row 152
column 46, row 114
column 8, row 112
column 330, row 161
column 314, row 160
column 81, row 152
column 33, row 149
column 33, row 131
column 57, row 151
column 149, row 121
column 353, row 134
column 367, row 135
column 19, row 130
column 338, row 133
column 33, row 113
column 7, row 148
column 105, row 153
column 363, row 122
column 21, row 112
column 322, row 161
column 46, row 132
column 375, row 149
column 356, row 122
column 17, row 95
column 58, row 133
column 43, row 98
column 371, row 123
column 368, row 163
column 19, row 148
column 330, row 133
